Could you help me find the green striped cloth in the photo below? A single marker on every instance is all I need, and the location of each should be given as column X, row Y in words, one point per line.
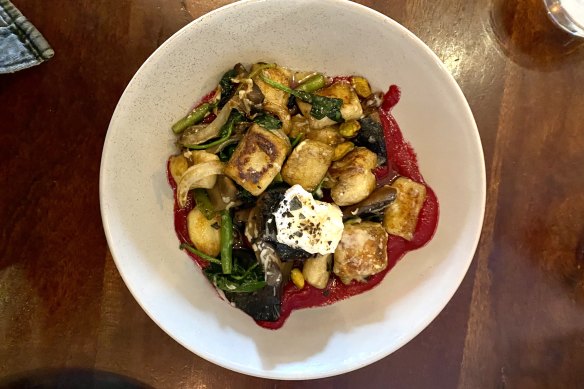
column 21, row 44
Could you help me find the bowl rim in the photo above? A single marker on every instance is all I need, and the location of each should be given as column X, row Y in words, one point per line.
column 374, row 357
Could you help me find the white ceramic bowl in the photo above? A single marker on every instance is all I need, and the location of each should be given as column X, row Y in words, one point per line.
column 337, row 37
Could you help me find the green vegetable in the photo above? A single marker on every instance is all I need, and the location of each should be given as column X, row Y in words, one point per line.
column 241, row 280
column 296, row 140
column 277, row 179
column 200, row 254
column 322, row 106
column 227, row 86
column 226, row 242
column 195, row 117
column 260, row 67
column 326, row 106
column 204, row 203
column 235, row 117
column 244, row 196
column 245, row 273
column 227, row 152
column 312, row 83
column 317, row 192
column 267, row 121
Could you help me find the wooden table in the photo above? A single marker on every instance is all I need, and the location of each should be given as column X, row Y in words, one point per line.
column 517, row 319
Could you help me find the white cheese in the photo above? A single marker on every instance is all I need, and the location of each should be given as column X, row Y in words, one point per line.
column 305, row 223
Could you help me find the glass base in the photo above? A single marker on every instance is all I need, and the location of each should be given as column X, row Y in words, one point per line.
column 567, row 14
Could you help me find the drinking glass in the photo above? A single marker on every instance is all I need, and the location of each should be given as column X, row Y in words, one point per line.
column 567, row 14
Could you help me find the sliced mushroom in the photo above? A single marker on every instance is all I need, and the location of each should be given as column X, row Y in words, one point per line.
column 265, row 303
column 375, row 204
column 255, row 95
column 223, row 194
column 371, row 136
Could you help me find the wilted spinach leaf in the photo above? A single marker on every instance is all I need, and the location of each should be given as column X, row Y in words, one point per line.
column 241, row 279
column 227, row 87
column 267, row 121
column 322, row 106
column 227, row 152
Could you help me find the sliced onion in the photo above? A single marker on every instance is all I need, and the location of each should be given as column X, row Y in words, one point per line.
column 192, row 178
column 282, row 113
column 215, row 126
column 197, row 134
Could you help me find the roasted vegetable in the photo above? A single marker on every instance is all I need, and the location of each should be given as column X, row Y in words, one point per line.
column 255, row 95
column 297, row 278
column 307, row 164
column 263, row 303
column 227, row 150
column 272, row 95
column 349, row 108
column 361, row 86
column 246, row 276
column 195, row 135
column 257, row 159
column 401, row 217
column 261, row 232
column 375, row 204
column 371, row 136
column 226, row 233
column 342, row 149
column 251, row 280
column 353, row 178
column 204, row 204
column 194, row 117
column 198, row 253
column 235, row 117
column 267, row 121
column 223, row 194
column 349, row 129
column 295, row 141
column 361, row 253
column 282, row 114
column 203, row 232
column 280, row 140
column 312, row 83
column 227, row 86
column 199, row 157
column 202, row 175
column 320, row 106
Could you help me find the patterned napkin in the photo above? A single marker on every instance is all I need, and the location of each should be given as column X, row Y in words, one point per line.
column 21, row 44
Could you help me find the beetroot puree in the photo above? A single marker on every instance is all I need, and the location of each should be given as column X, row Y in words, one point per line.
column 402, row 159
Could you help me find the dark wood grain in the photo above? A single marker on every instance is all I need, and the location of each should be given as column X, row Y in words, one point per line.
column 516, row 321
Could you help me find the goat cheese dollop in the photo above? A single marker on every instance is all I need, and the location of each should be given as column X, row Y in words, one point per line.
column 305, row 223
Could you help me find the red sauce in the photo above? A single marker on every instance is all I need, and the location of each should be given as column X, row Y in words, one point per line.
column 401, row 158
